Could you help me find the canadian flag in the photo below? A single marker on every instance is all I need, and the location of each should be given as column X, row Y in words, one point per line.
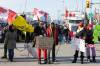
column 2, row 10
column 11, row 16
column 3, row 14
column 39, row 13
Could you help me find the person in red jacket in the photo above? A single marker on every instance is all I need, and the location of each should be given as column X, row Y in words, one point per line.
column 49, row 34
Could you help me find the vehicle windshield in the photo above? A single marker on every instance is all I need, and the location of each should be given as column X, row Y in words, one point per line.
column 75, row 21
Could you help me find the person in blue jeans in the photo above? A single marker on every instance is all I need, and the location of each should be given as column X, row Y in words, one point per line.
column 11, row 54
column 10, row 40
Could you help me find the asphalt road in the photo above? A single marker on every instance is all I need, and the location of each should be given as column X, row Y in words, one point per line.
column 64, row 57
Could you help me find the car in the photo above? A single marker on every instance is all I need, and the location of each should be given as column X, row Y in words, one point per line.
column 2, row 33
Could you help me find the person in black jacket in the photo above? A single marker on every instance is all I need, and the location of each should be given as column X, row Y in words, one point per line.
column 90, row 44
column 80, row 34
column 10, row 41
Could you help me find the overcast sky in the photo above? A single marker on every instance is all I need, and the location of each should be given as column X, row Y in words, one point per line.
column 53, row 7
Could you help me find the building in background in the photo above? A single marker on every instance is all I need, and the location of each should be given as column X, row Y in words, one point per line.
column 73, row 18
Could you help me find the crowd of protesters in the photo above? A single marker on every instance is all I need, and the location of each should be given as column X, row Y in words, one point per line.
column 50, row 30
column 59, row 33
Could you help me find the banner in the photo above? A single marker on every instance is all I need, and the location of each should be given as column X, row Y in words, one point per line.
column 21, row 24
column 44, row 42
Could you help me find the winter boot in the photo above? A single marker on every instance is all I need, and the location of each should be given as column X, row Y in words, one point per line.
column 4, row 57
column 82, row 58
column 75, row 56
column 45, row 61
column 88, row 59
column 75, row 59
column 49, row 62
column 93, row 59
column 39, row 61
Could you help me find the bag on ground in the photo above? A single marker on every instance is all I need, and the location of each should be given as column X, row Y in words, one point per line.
column 31, row 50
